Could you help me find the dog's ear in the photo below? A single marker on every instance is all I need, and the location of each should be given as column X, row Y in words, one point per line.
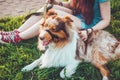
column 51, row 13
column 67, row 19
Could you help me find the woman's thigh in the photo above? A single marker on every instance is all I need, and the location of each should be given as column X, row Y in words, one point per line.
column 57, row 7
column 63, row 11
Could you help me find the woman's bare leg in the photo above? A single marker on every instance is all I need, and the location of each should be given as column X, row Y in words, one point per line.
column 34, row 30
column 31, row 21
column 31, row 27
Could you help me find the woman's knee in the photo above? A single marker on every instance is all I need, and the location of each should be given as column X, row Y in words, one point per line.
column 57, row 7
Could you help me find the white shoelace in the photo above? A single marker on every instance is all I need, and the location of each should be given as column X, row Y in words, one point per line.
column 9, row 38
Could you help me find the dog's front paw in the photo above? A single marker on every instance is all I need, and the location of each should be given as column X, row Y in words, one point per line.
column 27, row 68
column 64, row 73
column 105, row 78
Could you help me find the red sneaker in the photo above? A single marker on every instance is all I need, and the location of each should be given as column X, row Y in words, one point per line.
column 10, row 38
column 9, row 32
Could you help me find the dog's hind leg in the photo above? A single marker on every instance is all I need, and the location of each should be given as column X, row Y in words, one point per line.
column 104, row 71
column 32, row 65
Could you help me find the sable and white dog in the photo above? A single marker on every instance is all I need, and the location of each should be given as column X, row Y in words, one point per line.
column 66, row 49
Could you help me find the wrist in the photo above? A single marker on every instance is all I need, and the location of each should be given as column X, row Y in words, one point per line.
column 90, row 30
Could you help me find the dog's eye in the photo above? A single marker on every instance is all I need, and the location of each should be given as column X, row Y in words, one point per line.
column 54, row 29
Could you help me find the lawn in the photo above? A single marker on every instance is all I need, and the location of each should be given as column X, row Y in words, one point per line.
column 13, row 57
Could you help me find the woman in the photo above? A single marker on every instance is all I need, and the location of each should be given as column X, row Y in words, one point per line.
column 94, row 15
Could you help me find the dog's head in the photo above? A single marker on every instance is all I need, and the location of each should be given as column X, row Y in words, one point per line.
column 55, row 29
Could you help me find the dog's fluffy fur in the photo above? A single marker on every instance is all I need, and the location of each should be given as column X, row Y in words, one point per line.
column 66, row 49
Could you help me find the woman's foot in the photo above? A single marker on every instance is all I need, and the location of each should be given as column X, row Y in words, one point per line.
column 9, row 32
column 10, row 38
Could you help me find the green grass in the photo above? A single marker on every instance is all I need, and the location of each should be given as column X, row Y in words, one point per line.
column 13, row 57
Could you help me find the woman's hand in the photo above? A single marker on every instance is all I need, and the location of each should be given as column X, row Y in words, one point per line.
column 83, row 34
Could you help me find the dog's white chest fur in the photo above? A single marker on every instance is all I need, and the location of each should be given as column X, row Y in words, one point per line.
column 60, row 57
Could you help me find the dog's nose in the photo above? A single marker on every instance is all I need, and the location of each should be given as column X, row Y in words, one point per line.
column 42, row 38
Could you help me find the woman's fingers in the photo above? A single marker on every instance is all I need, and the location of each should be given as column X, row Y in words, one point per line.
column 83, row 35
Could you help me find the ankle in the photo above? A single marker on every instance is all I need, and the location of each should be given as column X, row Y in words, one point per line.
column 18, row 38
column 16, row 31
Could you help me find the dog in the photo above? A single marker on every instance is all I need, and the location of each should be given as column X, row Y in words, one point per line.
column 67, row 49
